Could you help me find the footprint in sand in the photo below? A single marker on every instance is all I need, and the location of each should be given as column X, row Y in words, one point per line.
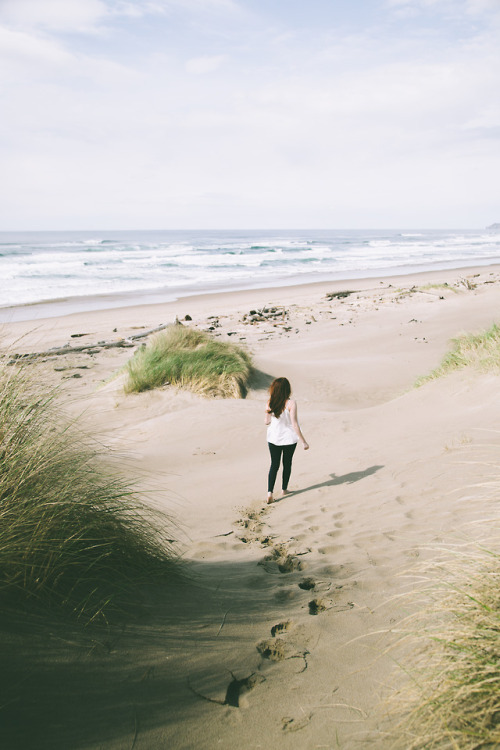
column 321, row 605
column 330, row 549
column 289, row 564
column 280, row 557
column 252, row 524
column 274, row 650
column 299, row 538
column 236, row 691
column 265, row 541
column 307, row 584
column 281, row 627
column 318, row 605
column 279, row 649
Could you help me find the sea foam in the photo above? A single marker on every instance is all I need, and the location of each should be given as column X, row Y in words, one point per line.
column 53, row 265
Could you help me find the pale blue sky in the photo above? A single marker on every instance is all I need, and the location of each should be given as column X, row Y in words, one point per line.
column 158, row 114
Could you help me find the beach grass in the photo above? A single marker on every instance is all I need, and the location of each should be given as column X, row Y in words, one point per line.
column 478, row 350
column 444, row 286
column 453, row 698
column 73, row 531
column 190, row 359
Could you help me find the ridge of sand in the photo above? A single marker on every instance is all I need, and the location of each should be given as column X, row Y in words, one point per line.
column 280, row 638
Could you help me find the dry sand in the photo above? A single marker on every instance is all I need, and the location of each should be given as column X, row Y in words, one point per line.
column 281, row 637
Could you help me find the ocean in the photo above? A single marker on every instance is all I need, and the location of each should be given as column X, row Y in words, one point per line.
column 129, row 267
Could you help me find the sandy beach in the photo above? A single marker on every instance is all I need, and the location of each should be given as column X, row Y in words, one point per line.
column 281, row 635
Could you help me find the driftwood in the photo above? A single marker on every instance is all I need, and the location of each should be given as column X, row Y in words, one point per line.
column 268, row 312
column 339, row 295
column 67, row 349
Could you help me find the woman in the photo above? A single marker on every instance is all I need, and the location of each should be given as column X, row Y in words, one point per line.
column 283, row 433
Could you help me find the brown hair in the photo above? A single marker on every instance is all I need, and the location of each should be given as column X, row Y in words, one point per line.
column 279, row 393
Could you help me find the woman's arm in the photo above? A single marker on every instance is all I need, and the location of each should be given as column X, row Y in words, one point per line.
column 295, row 423
column 267, row 418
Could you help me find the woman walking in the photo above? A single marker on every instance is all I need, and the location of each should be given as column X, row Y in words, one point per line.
column 283, row 433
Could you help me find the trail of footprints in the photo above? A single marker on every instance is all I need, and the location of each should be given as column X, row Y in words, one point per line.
column 315, row 594
column 288, row 640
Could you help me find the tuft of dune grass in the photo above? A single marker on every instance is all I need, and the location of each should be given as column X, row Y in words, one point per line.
column 73, row 531
column 444, row 286
column 190, row 359
column 478, row 350
column 453, row 696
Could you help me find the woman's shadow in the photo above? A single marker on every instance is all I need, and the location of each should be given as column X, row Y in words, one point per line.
column 354, row 476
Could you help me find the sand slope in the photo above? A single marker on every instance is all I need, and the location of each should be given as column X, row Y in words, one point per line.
column 279, row 637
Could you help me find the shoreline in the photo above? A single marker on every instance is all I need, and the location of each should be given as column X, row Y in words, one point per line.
column 63, row 307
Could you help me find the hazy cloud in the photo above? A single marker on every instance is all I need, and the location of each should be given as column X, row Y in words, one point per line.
column 360, row 124
column 19, row 46
column 89, row 15
column 163, row 7
column 55, row 15
column 201, row 65
column 450, row 8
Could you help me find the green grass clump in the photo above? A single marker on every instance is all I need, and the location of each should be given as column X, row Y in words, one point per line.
column 481, row 350
column 454, row 698
column 72, row 530
column 190, row 359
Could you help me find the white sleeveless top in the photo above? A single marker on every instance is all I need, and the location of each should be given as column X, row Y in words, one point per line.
column 280, row 431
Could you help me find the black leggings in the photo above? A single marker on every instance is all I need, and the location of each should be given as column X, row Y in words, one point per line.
column 276, row 451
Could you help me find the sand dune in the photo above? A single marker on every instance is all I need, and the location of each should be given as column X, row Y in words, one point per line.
column 280, row 637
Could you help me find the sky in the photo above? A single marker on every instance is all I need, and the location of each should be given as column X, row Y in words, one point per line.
column 249, row 114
